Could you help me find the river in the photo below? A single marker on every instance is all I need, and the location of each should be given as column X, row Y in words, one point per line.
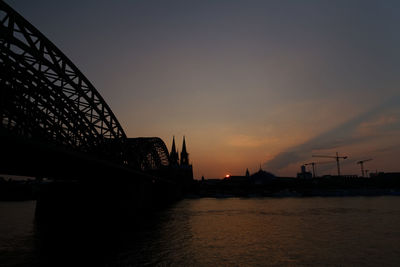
column 318, row 231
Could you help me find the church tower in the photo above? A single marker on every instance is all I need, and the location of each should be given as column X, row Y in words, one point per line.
column 181, row 170
column 174, row 154
column 184, row 154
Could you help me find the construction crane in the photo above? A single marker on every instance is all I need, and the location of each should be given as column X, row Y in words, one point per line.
column 337, row 157
column 313, row 166
column 361, row 162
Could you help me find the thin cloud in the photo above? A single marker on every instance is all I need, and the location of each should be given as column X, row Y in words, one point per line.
column 344, row 134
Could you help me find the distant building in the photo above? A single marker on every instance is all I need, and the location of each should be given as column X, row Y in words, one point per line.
column 212, row 181
column 262, row 177
column 304, row 174
column 258, row 178
column 385, row 175
column 238, row 179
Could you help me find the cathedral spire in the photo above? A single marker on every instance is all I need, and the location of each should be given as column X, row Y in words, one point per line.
column 173, row 149
column 184, row 154
column 174, row 154
column 184, row 145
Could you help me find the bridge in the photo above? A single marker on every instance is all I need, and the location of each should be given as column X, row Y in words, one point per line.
column 55, row 124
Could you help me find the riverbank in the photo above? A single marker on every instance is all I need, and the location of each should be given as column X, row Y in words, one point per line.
column 294, row 187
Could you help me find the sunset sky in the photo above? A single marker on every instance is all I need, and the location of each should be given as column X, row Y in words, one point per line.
column 247, row 82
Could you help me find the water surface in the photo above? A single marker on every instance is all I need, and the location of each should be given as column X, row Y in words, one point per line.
column 338, row 231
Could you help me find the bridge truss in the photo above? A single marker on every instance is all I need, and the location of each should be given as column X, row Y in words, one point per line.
column 44, row 96
column 149, row 153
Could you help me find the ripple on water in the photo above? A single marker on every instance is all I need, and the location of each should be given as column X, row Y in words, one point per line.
column 345, row 231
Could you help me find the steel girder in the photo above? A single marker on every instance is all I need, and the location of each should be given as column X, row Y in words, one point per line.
column 44, row 96
column 148, row 153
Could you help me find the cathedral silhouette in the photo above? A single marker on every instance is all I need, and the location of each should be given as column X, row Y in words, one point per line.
column 184, row 169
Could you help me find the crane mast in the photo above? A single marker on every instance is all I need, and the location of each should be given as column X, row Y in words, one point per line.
column 361, row 162
column 337, row 157
column 313, row 164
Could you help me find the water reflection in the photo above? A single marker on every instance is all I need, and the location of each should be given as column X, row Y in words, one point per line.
column 215, row 232
column 259, row 232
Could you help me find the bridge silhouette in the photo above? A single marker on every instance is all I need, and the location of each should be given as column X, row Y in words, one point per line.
column 55, row 124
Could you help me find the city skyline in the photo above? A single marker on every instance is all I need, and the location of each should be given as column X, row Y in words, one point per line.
column 246, row 82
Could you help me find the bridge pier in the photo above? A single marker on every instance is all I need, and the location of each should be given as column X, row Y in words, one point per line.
column 80, row 186
column 78, row 202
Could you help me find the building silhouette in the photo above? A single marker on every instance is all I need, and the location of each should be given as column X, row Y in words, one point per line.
column 262, row 177
column 173, row 156
column 184, row 154
column 182, row 166
column 259, row 178
column 304, row 174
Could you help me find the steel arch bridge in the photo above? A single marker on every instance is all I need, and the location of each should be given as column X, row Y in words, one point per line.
column 150, row 153
column 44, row 97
